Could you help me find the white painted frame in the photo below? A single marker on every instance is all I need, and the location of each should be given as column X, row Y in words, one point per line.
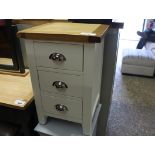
column 92, row 71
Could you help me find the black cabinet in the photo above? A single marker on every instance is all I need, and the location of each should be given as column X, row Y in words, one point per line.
column 10, row 50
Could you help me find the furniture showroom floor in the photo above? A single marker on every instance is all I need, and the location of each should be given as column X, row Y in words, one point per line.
column 132, row 110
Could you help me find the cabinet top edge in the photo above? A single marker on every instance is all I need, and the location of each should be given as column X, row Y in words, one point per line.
column 66, row 31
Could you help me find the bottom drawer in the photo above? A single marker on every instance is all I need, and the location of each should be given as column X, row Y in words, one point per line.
column 67, row 108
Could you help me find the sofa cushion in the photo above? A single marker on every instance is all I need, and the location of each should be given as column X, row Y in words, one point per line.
column 138, row 57
column 150, row 46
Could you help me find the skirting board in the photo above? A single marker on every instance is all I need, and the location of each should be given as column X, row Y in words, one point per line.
column 57, row 127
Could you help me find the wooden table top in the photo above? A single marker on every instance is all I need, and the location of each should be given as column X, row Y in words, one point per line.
column 65, row 31
column 114, row 24
column 13, row 88
column 36, row 22
column 32, row 21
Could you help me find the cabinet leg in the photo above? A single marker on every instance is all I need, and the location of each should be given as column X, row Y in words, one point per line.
column 87, row 130
column 42, row 120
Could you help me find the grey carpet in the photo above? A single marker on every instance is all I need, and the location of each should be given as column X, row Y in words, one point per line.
column 132, row 110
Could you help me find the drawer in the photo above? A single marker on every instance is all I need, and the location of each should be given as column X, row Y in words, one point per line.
column 64, row 107
column 60, row 83
column 58, row 55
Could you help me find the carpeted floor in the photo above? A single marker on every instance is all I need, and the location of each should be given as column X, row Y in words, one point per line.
column 132, row 110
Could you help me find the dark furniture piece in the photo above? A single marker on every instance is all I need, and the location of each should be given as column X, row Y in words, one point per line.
column 10, row 47
column 14, row 112
column 16, row 122
column 8, row 129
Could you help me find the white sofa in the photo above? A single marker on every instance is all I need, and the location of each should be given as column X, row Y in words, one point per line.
column 139, row 61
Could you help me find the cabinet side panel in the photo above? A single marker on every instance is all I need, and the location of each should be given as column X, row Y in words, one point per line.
column 35, row 81
column 88, row 84
column 97, row 73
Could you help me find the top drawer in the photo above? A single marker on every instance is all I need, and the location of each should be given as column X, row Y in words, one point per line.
column 59, row 55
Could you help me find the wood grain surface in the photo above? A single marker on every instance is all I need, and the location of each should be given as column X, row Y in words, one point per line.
column 6, row 61
column 37, row 21
column 65, row 31
column 13, row 88
column 31, row 21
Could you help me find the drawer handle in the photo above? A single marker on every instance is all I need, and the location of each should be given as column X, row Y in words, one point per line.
column 59, row 84
column 57, row 57
column 61, row 108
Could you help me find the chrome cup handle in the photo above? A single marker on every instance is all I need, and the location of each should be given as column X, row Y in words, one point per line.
column 60, row 84
column 57, row 57
column 61, row 108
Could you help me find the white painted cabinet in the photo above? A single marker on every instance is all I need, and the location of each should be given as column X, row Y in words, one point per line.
column 66, row 79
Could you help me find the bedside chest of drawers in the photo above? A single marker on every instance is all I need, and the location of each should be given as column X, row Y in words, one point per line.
column 66, row 70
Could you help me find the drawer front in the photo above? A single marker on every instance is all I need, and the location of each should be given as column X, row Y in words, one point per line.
column 64, row 84
column 60, row 56
column 66, row 108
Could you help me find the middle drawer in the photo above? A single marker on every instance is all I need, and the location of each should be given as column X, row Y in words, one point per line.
column 61, row 83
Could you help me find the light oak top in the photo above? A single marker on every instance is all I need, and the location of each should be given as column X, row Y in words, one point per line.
column 36, row 22
column 32, row 21
column 65, row 31
column 13, row 88
column 6, row 61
